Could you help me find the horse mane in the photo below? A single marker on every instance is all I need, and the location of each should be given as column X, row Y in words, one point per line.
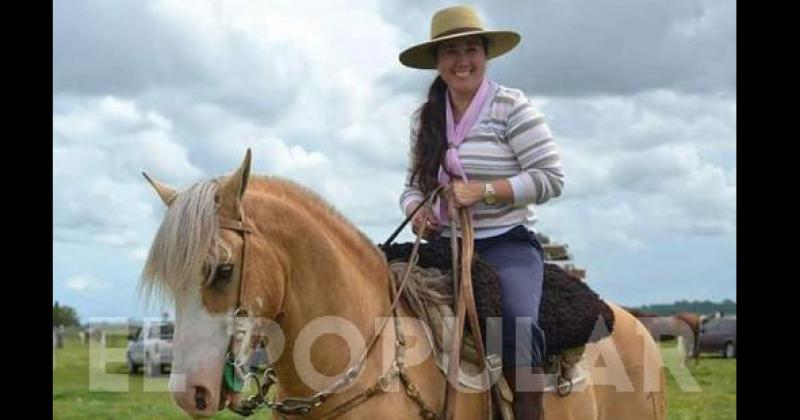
column 189, row 231
column 182, row 243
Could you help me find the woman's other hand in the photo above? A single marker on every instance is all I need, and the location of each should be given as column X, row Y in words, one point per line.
column 425, row 221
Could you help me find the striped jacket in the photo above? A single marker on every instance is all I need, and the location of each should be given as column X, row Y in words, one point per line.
column 510, row 140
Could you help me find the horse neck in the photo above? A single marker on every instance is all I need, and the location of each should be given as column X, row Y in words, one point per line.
column 333, row 273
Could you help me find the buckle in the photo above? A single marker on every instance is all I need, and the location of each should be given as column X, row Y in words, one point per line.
column 495, row 364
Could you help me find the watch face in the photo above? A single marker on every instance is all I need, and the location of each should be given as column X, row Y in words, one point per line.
column 488, row 194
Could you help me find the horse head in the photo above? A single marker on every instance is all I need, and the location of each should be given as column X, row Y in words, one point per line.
column 196, row 261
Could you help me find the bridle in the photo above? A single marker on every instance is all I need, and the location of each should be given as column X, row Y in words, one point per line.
column 233, row 372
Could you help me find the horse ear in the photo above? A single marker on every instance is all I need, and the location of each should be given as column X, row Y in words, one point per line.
column 164, row 191
column 233, row 187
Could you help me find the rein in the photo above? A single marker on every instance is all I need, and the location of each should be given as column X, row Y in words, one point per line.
column 465, row 307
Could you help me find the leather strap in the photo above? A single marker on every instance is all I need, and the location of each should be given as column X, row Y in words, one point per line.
column 465, row 307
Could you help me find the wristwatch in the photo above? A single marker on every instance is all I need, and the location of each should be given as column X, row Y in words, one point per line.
column 488, row 194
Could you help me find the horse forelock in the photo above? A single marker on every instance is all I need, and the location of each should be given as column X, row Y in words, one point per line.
column 186, row 240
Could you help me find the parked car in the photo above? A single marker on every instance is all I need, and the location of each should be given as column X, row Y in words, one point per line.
column 719, row 335
column 150, row 348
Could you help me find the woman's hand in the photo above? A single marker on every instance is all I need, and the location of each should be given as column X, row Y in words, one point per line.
column 425, row 221
column 466, row 194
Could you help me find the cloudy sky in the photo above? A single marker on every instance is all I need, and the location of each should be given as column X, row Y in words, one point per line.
column 640, row 96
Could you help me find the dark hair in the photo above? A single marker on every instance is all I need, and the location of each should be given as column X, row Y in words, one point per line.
column 431, row 143
column 429, row 146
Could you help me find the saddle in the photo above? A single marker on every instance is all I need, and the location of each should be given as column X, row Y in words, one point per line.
column 571, row 315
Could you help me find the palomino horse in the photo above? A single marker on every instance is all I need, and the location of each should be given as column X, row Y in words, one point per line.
column 305, row 265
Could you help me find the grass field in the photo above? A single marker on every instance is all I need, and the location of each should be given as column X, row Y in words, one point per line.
column 706, row 391
column 702, row 391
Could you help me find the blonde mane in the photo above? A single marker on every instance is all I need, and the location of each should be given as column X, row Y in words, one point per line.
column 188, row 240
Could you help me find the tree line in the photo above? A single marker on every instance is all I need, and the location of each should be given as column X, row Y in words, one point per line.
column 727, row 306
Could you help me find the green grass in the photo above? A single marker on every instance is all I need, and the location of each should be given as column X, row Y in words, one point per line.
column 709, row 393
column 74, row 399
column 706, row 391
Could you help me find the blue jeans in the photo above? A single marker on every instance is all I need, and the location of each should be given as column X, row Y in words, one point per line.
column 517, row 258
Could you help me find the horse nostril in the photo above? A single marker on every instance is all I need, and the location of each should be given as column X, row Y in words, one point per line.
column 200, row 398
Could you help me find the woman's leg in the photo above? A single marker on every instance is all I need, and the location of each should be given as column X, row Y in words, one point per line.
column 520, row 267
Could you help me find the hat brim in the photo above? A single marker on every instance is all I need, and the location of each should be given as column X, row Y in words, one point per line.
column 422, row 56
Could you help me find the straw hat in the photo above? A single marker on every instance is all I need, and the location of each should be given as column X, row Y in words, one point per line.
column 457, row 22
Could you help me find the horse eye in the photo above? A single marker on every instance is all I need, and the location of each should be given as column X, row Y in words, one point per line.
column 222, row 276
column 224, row 272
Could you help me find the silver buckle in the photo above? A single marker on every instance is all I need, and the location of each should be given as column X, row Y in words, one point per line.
column 495, row 364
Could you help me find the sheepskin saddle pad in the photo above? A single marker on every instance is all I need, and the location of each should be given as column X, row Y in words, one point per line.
column 571, row 314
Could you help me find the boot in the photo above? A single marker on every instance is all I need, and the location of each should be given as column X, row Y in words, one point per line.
column 528, row 401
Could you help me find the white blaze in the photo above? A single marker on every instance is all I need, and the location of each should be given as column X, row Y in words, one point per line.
column 201, row 338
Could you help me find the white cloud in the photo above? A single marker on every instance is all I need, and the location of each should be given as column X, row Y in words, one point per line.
column 139, row 254
column 579, row 47
column 612, row 224
column 643, row 121
column 100, row 146
column 87, row 284
column 627, row 199
column 180, row 89
column 702, row 201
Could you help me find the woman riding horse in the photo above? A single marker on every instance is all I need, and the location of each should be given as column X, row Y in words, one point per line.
column 274, row 250
column 496, row 149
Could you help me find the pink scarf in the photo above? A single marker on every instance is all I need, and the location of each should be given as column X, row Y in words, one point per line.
column 455, row 136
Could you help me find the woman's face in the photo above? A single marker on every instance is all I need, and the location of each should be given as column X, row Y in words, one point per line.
column 462, row 64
